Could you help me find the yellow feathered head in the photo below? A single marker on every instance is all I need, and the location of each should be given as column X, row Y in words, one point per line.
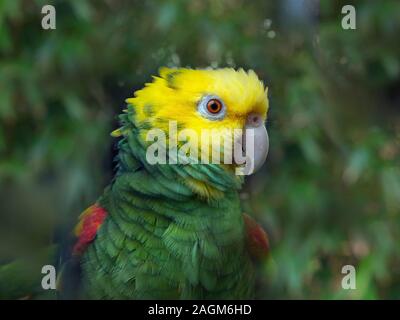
column 177, row 93
column 216, row 101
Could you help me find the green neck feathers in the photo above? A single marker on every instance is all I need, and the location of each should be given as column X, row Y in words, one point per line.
column 209, row 181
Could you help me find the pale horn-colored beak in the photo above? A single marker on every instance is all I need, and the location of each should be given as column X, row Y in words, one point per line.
column 255, row 145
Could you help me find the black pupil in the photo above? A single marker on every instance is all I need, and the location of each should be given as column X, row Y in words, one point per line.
column 214, row 106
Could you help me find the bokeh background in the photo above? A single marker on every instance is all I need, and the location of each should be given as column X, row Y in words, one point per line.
column 329, row 194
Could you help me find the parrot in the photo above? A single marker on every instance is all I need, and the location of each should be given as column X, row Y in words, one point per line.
column 171, row 229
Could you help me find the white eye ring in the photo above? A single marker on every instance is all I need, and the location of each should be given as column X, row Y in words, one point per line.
column 202, row 108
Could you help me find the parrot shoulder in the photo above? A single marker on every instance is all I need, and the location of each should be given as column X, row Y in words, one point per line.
column 89, row 223
column 256, row 238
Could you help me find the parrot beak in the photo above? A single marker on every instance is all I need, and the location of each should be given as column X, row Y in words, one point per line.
column 255, row 145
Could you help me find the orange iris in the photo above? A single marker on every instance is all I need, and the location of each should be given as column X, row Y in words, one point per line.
column 214, row 106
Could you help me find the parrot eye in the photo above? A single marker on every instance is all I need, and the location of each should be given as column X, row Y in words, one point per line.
column 212, row 108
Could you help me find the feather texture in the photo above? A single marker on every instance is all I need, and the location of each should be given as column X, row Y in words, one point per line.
column 174, row 231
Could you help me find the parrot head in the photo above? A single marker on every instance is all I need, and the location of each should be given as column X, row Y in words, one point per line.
column 202, row 105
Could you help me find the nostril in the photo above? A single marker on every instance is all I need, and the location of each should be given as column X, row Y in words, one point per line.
column 254, row 120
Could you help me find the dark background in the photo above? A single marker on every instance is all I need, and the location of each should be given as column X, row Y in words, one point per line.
column 329, row 194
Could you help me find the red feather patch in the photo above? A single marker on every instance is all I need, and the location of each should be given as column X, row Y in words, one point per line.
column 89, row 222
column 257, row 238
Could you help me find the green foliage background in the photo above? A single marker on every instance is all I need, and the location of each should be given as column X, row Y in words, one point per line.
column 329, row 194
